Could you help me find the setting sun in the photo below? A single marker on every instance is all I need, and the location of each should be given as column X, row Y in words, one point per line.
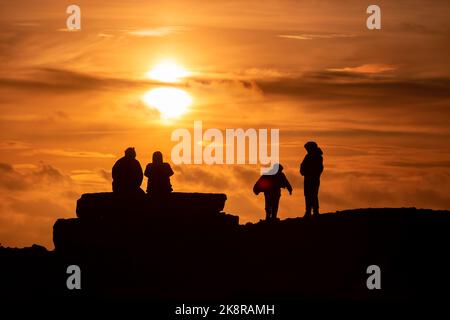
column 168, row 71
column 170, row 102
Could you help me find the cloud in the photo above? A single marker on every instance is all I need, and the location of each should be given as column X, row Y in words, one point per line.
column 32, row 198
column 158, row 32
column 367, row 68
column 361, row 191
column 10, row 179
column 192, row 175
column 228, row 178
column 13, row 145
column 28, row 220
column 419, row 164
column 29, row 150
column 105, row 35
column 105, row 174
column 419, row 28
column 26, row 24
column 38, row 208
column 362, row 84
column 90, row 179
column 359, row 87
column 73, row 153
column 306, row 36
column 348, row 132
column 58, row 80
column 13, row 180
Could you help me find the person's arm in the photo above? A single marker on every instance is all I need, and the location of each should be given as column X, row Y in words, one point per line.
column 169, row 170
column 256, row 188
column 114, row 170
column 289, row 187
column 140, row 175
column 321, row 166
column 302, row 167
column 287, row 184
column 147, row 171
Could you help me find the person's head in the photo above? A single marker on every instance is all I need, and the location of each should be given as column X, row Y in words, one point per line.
column 311, row 146
column 157, row 157
column 130, row 153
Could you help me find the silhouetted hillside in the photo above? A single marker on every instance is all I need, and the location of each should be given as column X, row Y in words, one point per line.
column 187, row 248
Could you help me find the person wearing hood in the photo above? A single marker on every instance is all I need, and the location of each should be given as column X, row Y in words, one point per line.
column 127, row 174
column 271, row 185
column 311, row 169
column 158, row 174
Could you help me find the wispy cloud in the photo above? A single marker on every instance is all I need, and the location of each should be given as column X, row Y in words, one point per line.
column 26, row 24
column 367, row 68
column 105, row 35
column 158, row 32
column 62, row 80
column 74, row 153
column 308, row 36
column 11, row 179
column 13, row 145
column 28, row 149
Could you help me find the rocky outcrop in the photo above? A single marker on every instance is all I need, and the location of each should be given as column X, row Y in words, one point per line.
column 108, row 220
column 186, row 248
column 107, row 204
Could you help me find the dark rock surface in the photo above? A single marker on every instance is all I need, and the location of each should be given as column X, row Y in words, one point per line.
column 93, row 205
column 187, row 248
column 107, row 221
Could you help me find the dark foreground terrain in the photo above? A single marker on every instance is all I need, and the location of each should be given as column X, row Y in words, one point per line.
column 185, row 248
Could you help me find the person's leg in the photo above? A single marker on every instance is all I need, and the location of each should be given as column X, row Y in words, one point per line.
column 268, row 205
column 275, row 203
column 315, row 197
column 307, row 192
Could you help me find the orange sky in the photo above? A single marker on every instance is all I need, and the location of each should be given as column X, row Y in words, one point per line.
column 377, row 102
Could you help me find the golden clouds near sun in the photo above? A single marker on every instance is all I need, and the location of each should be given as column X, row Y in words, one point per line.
column 170, row 102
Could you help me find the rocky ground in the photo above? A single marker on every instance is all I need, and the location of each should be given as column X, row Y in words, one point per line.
column 186, row 248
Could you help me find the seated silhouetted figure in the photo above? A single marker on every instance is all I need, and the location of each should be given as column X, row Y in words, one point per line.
column 311, row 168
column 127, row 174
column 158, row 174
column 271, row 185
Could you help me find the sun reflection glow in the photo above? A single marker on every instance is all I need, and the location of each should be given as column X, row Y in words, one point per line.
column 170, row 102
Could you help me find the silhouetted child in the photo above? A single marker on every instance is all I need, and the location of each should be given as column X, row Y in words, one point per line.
column 311, row 168
column 271, row 186
column 158, row 174
column 127, row 173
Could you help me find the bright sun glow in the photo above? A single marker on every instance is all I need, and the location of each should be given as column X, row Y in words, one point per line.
column 168, row 71
column 170, row 102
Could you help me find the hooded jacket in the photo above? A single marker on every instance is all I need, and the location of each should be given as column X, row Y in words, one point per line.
column 312, row 164
column 272, row 183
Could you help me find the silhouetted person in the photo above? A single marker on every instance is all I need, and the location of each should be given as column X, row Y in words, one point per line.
column 271, row 186
column 158, row 174
column 127, row 173
column 311, row 168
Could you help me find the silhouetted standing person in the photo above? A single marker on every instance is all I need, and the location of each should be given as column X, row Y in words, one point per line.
column 158, row 174
column 311, row 168
column 127, row 173
column 271, row 186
